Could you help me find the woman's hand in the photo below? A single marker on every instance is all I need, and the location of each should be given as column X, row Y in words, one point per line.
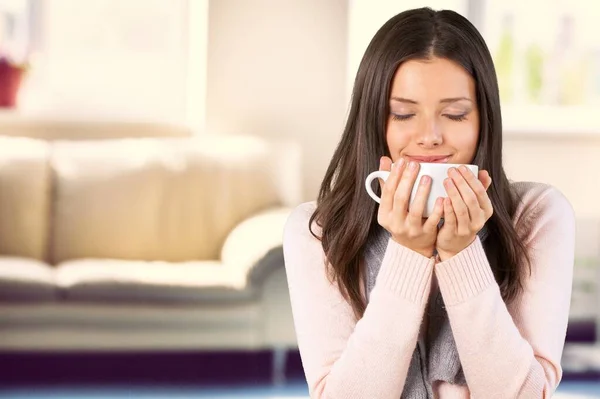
column 408, row 228
column 466, row 210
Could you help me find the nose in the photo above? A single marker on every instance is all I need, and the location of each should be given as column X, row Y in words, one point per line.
column 429, row 135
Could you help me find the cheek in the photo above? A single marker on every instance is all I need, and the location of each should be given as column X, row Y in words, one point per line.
column 464, row 137
column 396, row 136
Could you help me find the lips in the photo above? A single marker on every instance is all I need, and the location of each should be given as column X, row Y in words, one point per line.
column 429, row 158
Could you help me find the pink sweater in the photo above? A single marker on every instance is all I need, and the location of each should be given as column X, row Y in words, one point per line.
column 506, row 352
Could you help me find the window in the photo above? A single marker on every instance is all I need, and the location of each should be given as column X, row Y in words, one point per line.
column 118, row 59
column 548, row 70
column 15, row 29
column 546, row 53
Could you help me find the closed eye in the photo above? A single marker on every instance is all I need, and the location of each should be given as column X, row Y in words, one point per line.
column 456, row 118
column 405, row 117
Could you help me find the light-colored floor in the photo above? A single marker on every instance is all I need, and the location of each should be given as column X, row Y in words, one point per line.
column 567, row 390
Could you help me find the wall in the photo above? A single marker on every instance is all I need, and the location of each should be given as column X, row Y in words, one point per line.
column 278, row 69
column 570, row 164
column 264, row 54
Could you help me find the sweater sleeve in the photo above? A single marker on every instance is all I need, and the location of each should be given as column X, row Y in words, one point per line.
column 514, row 352
column 343, row 358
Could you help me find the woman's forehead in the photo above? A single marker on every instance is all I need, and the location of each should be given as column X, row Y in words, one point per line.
column 436, row 78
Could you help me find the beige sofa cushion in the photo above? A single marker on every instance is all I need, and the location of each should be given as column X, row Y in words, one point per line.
column 25, row 190
column 24, row 279
column 164, row 199
column 150, row 282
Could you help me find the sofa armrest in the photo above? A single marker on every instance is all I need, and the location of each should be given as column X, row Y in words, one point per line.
column 254, row 246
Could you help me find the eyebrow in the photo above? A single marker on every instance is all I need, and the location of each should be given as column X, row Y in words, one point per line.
column 445, row 100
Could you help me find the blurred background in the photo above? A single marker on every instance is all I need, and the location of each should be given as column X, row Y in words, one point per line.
column 151, row 151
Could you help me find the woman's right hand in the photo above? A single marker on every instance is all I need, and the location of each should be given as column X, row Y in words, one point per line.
column 409, row 229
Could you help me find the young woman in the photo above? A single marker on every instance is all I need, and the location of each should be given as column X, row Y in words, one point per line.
column 472, row 301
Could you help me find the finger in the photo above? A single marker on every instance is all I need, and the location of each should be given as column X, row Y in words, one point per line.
column 390, row 185
column 417, row 208
column 458, row 206
column 479, row 187
column 484, row 199
column 466, row 191
column 450, row 221
column 434, row 219
column 385, row 164
column 402, row 194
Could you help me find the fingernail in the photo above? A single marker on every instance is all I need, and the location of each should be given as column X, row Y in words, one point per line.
column 463, row 168
column 424, row 180
column 412, row 165
column 400, row 162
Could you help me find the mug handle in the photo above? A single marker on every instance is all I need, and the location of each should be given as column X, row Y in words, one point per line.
column 381, row 174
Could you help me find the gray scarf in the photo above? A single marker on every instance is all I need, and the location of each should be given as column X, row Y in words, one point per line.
column 435, row 357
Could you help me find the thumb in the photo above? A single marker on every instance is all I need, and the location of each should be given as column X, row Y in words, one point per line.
column 385, row 163
column 485, row 179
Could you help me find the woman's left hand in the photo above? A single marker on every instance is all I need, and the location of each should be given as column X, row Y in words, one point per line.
column 466, row 210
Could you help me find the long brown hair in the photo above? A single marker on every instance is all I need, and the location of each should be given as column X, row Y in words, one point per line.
column 345, row 213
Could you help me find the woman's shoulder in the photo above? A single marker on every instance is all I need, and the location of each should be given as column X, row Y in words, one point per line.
column 539, row 202
column 301, row 214
column 302, row 250
column 539, row 196
column 296, row 225
column 303, row 211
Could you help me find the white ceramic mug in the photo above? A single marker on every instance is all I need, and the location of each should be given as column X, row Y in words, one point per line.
column 437, row 171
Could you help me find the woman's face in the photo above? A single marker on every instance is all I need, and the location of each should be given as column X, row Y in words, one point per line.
column 433, row 113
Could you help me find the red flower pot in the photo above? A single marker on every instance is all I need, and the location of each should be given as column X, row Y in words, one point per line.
column 10, row 81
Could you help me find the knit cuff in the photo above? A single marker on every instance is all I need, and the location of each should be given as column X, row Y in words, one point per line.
column 464, row 275
column 534, row 381
column 405, row 273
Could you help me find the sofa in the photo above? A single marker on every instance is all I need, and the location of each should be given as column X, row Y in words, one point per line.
column 152, row 244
